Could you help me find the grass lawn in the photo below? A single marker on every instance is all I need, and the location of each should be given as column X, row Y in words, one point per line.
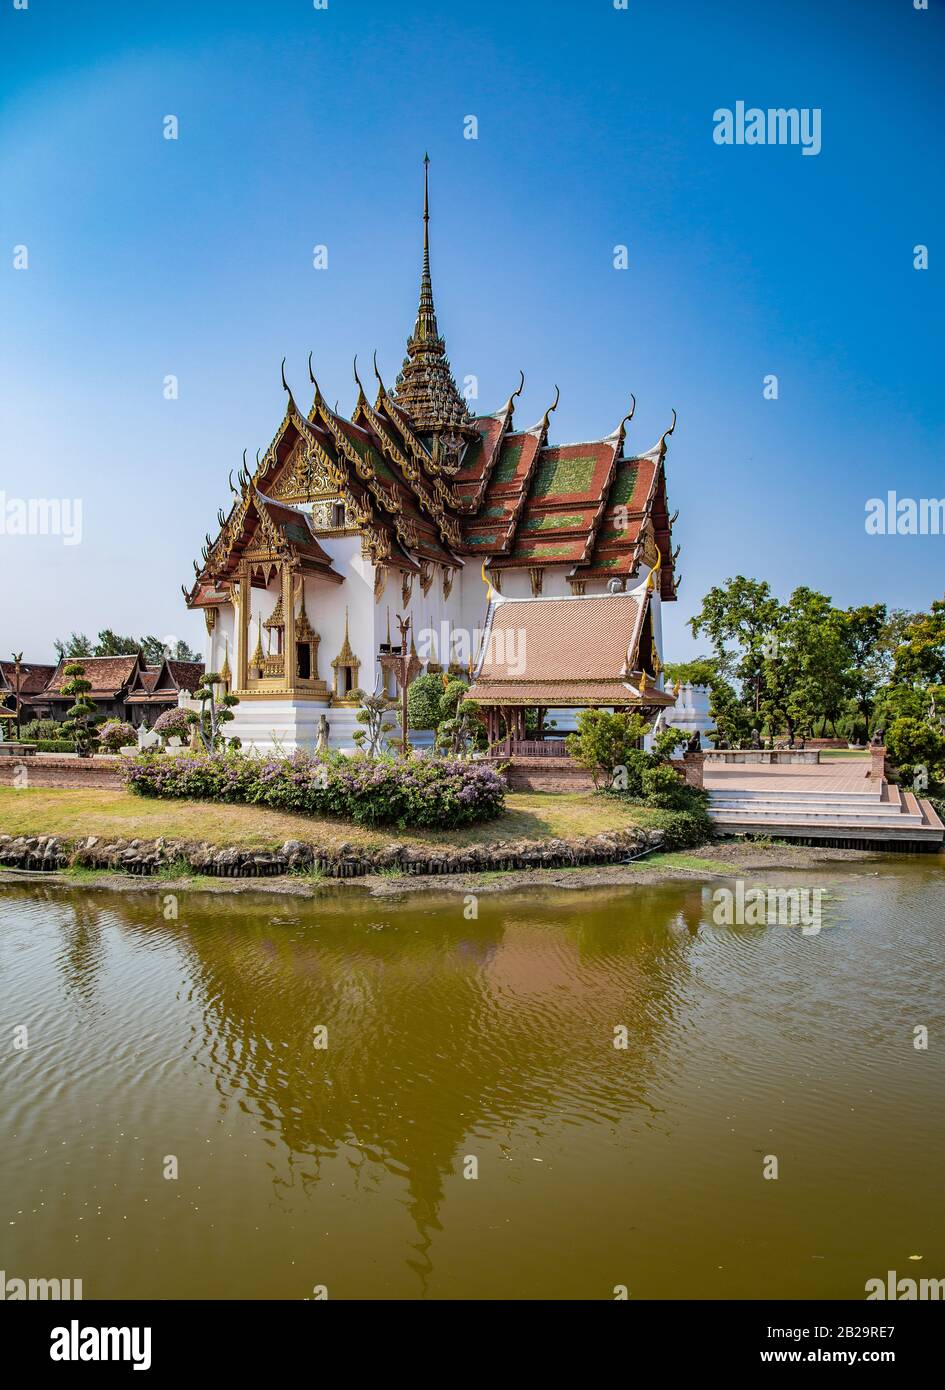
column 73, row 813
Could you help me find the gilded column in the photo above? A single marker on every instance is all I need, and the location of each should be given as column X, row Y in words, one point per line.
column 242, row 629
column 288, row 610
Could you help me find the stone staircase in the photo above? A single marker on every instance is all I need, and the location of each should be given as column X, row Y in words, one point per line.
column 825, row 803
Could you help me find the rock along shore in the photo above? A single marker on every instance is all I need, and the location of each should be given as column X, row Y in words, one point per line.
column 143, row 858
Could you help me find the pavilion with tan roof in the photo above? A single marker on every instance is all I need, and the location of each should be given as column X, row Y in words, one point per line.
column 567, row 653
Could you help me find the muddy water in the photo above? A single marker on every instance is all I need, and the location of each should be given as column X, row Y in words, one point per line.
column 459, row 1046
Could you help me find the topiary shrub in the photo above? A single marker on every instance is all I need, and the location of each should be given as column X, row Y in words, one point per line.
column 115, row 734
column 175, row 723
column 81, row 717
column 423, row 702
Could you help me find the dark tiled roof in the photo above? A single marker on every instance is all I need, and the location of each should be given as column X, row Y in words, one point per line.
column 34, row 676
column 109, row 675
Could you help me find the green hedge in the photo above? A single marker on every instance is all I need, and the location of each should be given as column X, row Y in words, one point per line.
column 55, row 745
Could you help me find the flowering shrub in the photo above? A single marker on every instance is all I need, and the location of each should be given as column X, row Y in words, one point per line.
column 115, row 734
column 174, row 723
column 417, row 792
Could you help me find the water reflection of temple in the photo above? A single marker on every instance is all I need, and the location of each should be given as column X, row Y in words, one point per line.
column 443, row 1033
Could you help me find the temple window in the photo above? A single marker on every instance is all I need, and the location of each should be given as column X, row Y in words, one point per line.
column 306, row 646
column 345, row 666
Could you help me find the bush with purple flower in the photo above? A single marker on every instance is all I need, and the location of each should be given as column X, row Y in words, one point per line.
column 115, row 734
column 413, row 793
column 175, row 723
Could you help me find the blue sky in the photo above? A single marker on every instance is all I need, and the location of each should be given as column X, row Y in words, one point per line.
column 299, row 127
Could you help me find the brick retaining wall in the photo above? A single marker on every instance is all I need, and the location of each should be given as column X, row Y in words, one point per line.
column 59, row 770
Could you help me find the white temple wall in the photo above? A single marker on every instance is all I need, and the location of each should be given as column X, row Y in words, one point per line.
column 221, row 640
column 325, row 604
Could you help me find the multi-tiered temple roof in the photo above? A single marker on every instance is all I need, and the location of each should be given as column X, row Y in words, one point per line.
column 424, row 482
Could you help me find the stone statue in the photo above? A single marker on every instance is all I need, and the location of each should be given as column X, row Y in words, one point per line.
column 755, row 738
column 695, row 742
column 877, row 740
column 324, row 730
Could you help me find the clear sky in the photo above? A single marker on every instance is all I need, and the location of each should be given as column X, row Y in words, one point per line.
column 301, row 126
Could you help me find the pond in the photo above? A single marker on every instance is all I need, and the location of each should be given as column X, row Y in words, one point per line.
column 265, row 1097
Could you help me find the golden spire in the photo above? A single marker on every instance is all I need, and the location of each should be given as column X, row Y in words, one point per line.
column 425, row 389
column 346, row 656
column 258, row 657
column 225, row 668
column 425, row 327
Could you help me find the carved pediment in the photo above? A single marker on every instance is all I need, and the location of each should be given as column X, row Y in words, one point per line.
column 304, row 476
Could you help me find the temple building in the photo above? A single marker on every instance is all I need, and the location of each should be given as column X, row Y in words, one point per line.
column 536, row 568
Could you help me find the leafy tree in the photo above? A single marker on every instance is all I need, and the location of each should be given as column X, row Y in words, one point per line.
column 867, row 634
column 808, row 674
column 181, row 652
column 607, row 742
column 733, row 719
column 917, row 747
column 920, row 659
column 111, row 644
column 153, row 650
column 76, row 644
column 740, row 618
column 81, row 717
column 701, row 670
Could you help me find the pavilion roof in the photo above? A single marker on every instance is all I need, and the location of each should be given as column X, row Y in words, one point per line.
column 545, row 651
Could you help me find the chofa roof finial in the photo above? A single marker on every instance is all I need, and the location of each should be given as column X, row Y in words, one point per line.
column 548, row 413
column 621, row 429
column 288, row 390
column 665, row 436
column 311, row 377
column 509, row 405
